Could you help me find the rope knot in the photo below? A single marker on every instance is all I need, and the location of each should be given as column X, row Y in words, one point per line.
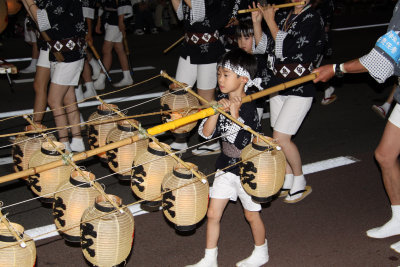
column 66, row 157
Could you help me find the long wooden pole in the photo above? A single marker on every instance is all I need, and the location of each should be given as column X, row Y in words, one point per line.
column 174, row 44
column 276, row 6
column 152, row 131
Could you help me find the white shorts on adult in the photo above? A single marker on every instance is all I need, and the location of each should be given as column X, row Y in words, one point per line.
column 227, row 185
column 204, row 74
column 113, row 34
column 288, row 112
column 66, row 73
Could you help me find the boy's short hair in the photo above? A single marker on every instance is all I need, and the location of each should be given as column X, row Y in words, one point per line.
column 245, row 28
column 238, row 57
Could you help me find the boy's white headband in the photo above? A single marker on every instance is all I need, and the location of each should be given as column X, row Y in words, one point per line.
column 242, row 72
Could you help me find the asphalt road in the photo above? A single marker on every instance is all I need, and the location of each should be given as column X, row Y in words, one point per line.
column 326, row 229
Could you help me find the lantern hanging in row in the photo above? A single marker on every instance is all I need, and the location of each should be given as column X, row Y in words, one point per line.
column 3, row 15
column 106, row 234
column 147, row 176
column 46, row 183
column 11, row 253
column 177, row 98
column 98, row 131
column 71, row 200
column 13, row 6
column 262, row 175
column 26, row 144
column 120, row 159
column 186, row 204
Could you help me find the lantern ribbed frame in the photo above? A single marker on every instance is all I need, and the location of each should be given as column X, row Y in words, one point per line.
column 3, row 15
column 13, row 7
column 72, row 199
column 121, row 159
column 147, row 177
column 187, row 205
column 27, row 144
column 268, row 169
column 98, row 131
column 174, row 99
column 12, row 254
column 114, row 233
column 48, row 181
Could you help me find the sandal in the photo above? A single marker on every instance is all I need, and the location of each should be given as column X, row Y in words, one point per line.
column 328, row 100
column 304, row 193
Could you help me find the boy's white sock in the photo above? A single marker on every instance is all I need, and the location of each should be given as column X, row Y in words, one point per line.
column 386, row 107
column 288, row 183
column 79, row 93
column 299, row 183
column 77, row 144
column 67, row 146
column 258, row 257
column 90, row 91
column 209, row 260
column 391, row 228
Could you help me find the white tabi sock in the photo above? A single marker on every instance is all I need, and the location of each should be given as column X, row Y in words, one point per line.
column 90, row 91
column 67, row 146
column 391, row 228
column 329, row 91
column 77, row 144
column 299, row 183
column 386, row 107
column 209, row 260
column 258, row 257
column 288, row 183
column 78, row 93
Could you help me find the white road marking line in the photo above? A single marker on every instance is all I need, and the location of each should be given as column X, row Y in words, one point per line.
column 18, row 59
column 136, row 210
column 88, row 104
column 360, row 27
column 6, row 160
column 30, row 80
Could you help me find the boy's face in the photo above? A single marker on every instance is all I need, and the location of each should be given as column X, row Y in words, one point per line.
column 245, row 43
column 228, row 81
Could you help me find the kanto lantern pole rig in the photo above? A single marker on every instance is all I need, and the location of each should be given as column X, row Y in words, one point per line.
column 155, row 140
column 69, row 161
column 17, row 237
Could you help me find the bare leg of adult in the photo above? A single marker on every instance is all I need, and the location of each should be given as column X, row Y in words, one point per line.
column 297, row 190
column 100, row 84
column 214, row 214
column 123, row 60
column 56, row 102
column 73, row 116
column 87, row 78
column 260, row 255
column 208, row 95
column 387, row 154
column 40, row 84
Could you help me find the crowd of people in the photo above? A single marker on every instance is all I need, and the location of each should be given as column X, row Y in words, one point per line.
column 227, row 56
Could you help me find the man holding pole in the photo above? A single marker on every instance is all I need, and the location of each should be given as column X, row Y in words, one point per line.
column 381, row 62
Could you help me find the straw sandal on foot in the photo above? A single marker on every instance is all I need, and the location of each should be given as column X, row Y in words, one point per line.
column 284, row 192
column 328, row 100
column 304, row 193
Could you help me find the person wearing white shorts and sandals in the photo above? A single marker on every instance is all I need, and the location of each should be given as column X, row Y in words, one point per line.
column 30, row 38
column 66, row 54
column 381, row 63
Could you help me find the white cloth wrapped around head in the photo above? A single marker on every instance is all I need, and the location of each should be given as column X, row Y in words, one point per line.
column 242, row 72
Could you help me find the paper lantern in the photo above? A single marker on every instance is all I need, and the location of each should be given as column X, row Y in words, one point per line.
column 26, row 144
column 44, row 184
column 3, row 15
column 71, row 200
column 120, row 159
column 98, row 131
column 13, row 6
column 187, row 205
column 176, row 98
column 12, row 254
column 106, row 236
column 262, row 175
column 147, row 177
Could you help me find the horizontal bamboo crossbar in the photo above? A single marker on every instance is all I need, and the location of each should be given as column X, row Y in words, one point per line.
column 276, row 6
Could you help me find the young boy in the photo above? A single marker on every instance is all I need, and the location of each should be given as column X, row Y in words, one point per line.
column 235, row 73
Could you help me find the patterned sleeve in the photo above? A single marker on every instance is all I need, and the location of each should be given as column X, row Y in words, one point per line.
column 261, row 48
column 88, row 8
column 198, row 11
column 179, row 11
column 280, row 37
column 201, row 130
column 43, row 20
column 125, row 8
column 379, row 66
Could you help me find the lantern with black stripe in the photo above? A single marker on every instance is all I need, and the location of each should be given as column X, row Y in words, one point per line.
column 185, row 198
column 263, row 171
column 71, row 200
column 106, row 233
column 26, row 144
column 177, row 98
column 45, row 183
column 120, row 159
column 11, row 253
column 98, row 127
column 147, row 176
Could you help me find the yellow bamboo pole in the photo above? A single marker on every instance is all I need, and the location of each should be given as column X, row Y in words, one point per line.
column 174, row 44
column 12, row 230
column 70, row 162
column 276, row 6
column 155, row 140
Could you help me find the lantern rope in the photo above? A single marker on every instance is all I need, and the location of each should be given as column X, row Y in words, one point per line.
column 65, row 228
column 218, row 108
column 155, row 140
column 78, row 102
column 68, row 160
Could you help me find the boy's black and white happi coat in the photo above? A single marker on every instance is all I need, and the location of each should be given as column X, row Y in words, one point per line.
column 63, row 20
column 234, row 138
column 114, row 8
column 205, row 16
column 299, row 42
